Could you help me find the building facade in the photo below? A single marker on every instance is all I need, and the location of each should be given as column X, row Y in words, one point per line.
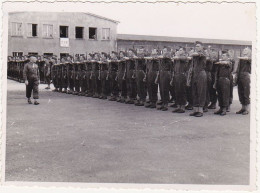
column 58, row 33
column 127, row 41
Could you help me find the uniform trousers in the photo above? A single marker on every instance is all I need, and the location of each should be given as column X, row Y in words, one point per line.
column 164, row 83
column 223, row 89
column 199, row 88
column 152, row 87
column 243, row 84
column 32, row 87
column 180, row 89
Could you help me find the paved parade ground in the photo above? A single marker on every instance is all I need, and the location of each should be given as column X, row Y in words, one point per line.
column 70, row 138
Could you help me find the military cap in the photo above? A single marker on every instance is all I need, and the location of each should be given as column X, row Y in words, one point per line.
column 104, row 53
column 114, row 52
column 122, row 52
column 198, row 42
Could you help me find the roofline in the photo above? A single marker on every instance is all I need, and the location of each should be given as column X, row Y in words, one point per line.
column 153, row 38
column 91, row 14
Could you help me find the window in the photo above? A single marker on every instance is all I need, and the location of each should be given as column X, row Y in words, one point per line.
column 64, row 31
column 16, row 29
column 32, row 53
column 17, row 53
column 92, row 33
column 32, row 30
column 79, row 31
column 47, row 31
column 48, row 54
column 105, row 33
column 62, row 55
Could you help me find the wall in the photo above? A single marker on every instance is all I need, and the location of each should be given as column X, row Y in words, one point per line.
column 52, row 45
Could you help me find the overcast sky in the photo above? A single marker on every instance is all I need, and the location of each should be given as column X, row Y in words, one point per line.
column 207, row 20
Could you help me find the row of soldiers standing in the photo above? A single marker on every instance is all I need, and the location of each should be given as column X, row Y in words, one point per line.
column 194, row 80
column 15, row 67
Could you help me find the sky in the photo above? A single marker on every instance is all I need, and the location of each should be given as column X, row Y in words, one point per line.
column 234, row 21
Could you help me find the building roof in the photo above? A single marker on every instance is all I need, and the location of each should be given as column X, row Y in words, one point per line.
column 87, row 13
column 101, row 17
column 131, row 37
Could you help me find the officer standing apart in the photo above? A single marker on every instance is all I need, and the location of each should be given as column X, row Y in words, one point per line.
column 31, row 76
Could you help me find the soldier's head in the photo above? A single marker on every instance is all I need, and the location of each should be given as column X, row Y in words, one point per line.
column 131, row 52
column 114, row 55
column 81, row 58
column 62, row 60
column 198, row 46
column 68, row 58
column 214, row 54
column 103, row 55
column 181, row 51
column 154, row 52
column 166, row 51
column 140, row 51
column 33, row 59
column 96, row 56
column 122, row 54
column 224, row 55
column 89, row 56
column 246, row 52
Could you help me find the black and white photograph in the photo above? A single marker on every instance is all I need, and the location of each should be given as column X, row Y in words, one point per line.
column 129, row 93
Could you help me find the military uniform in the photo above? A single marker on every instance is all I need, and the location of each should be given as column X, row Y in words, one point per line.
column 152, row 67
column 165, row 75
column 83, row 78
column 212, row 91
column 54, row 76
column 76, row 77
column 89, row 91
column 243, row 83
column 31, row 73
column 121, row 80
column 140, row 69
column 96, row 84
column 130, row 82
column 112, row 72
column 70, row 74
column 180, row 70
column 104, row 79
column 199, row 83
column 208, row 69
column 64, row 77
column 223, row 86
column 47, row 72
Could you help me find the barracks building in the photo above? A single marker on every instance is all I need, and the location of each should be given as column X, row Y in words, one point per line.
column 68, row 33
column 59, row 33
